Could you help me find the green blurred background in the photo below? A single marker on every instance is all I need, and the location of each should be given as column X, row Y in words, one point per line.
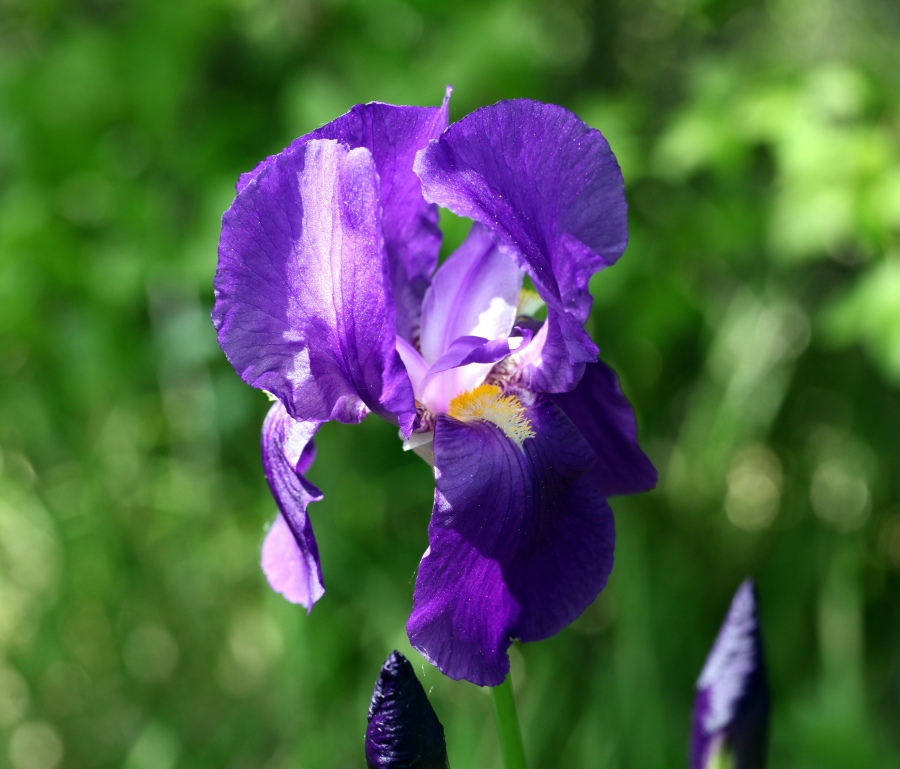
column 754, row 320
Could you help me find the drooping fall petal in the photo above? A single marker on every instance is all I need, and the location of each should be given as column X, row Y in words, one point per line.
column 290, row 556
column 605, row 418
column 520, row 542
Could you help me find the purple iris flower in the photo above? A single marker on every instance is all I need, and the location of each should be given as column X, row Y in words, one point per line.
column 403, row 731
column 731, row 712
column 329, row 297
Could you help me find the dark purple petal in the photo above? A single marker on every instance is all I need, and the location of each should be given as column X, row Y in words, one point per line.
column 303, row 298
column 604, row 417
column 549, row 189
column 404, row 731
column 731, row 712
column 393, row 134
column 290, row 557
column 520, row 542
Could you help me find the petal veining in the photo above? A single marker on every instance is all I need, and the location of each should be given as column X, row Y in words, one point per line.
column 303, row 297
column 393, row 134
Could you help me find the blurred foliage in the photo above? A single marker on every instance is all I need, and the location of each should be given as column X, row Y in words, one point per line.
column 755, row 321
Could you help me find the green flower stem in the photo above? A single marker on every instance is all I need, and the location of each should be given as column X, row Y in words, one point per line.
column 508, row 725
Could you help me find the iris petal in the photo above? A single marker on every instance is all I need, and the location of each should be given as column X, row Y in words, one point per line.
column 393, row 134
column 474, row 293
column 549, row 189
column 604, row 417
column 303, row 297
column 416, row 367
column 463, row 367
column 290, row 556
column 520, row 543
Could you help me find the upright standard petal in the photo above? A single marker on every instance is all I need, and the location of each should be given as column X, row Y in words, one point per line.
column 474, row 294
column 520, row 541
column 393, row 134
column 605, row 418
column 731, row 712
column 549, row 189
column 303, row 297
column 403, row 731
column 290, row 557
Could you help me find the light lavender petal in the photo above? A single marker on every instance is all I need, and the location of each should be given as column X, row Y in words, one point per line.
column 474, row 293
column 290, row 556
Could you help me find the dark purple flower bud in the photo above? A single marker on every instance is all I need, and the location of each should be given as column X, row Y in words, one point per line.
column 403, row 730
column 731, row 712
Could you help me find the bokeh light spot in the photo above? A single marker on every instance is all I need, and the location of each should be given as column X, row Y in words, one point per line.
column 35, row 745
column 839, row 495
column 753, row 493
column 150, row 653
column 14, row 698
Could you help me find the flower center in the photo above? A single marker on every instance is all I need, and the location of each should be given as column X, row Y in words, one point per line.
column 488, row 403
